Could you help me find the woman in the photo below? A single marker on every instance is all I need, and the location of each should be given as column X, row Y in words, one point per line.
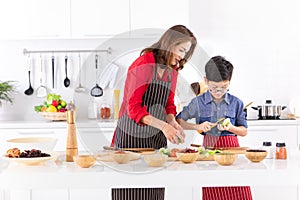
column 147, row 114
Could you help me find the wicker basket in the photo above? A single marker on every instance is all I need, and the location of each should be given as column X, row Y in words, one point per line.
column 55, row 116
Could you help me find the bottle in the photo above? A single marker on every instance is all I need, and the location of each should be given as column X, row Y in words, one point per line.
column 116, row 104
column 105, row 111
column 281, row 151
column 268, row 147
column 92, row 110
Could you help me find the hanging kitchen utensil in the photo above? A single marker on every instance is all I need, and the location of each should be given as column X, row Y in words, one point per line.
column 80, row 88
column 67, row 80
column 96, row 91
column 30, row 90
column 41, row 91
column 246, row 106
column 52, row 59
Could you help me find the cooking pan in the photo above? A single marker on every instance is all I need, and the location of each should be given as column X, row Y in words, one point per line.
column 269, row 111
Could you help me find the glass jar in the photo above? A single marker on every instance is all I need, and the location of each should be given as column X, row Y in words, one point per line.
column 105, row 111
column 269, row 148
column 281, row 151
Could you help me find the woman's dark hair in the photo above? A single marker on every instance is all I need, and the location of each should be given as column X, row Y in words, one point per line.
column 173, row 36
column 218, row 69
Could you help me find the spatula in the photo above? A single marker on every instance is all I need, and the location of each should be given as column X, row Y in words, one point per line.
column 219, row 121
column 41, row 91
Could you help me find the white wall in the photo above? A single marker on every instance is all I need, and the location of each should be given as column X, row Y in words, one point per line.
column 260, row 38
column 13, row 66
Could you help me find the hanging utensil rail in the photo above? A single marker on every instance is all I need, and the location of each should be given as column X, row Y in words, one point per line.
column 108, row 50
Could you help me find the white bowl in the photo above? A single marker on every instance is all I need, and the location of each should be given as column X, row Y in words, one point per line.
column 28, row 143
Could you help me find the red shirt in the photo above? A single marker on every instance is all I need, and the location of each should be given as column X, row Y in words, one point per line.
column 139, row 75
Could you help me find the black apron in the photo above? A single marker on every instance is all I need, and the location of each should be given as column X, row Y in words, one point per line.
column 129, row 134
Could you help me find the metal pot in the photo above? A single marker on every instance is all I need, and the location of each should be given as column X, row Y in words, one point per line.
column 269, row 111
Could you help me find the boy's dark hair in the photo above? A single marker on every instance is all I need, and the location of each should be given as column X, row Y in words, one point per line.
column 218, row 69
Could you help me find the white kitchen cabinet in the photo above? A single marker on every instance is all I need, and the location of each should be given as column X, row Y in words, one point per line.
column 94, row 18
column 158, row 14
column 93, row 139
column 90, row 194
column 34, row 19
column 50, row 194
column 273, row 133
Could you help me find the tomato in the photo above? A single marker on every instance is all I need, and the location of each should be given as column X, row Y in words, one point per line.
column 173, row 152
column 54, row 103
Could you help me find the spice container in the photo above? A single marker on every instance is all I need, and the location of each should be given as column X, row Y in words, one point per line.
column 105, row 111
column 281, row 151
column 269, row 148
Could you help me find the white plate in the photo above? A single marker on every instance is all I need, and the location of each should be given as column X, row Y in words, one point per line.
column 30, row 161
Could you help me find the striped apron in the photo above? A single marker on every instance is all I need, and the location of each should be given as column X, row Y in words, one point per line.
column 224, row 193
column 130, row 134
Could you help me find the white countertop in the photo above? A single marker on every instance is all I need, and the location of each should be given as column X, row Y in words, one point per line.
column 112, row 123
column 138, row 174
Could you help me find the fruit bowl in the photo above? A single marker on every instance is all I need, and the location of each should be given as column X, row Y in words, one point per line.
column 256, row 155
column 225, row 159
column 54, row 116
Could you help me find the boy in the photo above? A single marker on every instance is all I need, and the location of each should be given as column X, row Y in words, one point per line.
column 207, row 108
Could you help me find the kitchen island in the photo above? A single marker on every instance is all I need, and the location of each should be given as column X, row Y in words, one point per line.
column 68, row 178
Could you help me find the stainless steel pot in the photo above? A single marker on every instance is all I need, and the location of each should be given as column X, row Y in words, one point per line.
column 269, row 111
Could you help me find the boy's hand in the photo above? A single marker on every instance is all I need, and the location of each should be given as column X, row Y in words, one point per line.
column 205, row 126
column 225, row 126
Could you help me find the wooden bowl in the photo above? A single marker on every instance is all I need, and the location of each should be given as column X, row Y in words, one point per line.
column 121, row 157
column 155, row 160
column 187, row 157
column 256, row 155
column 85, row 161
column 225, row 159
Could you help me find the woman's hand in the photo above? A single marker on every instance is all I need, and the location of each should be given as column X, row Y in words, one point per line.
column 181, row 133
column 205, row 126
column 171, row 133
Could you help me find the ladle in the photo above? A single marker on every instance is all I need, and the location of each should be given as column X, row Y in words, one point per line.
column 80, row 88
column 30, row 90
column 67, row 80
column 96, row 91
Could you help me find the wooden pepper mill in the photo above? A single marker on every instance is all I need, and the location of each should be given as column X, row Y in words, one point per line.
column 72, row 147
